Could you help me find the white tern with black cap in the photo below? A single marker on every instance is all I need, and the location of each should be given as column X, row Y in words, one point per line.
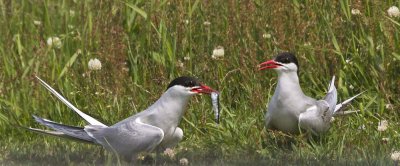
column 290, row 109
column 154, row 128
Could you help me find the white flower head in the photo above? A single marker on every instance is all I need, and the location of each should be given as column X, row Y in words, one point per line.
column 169, row 152
column 362, row 127
column 79, row 51
column 385, row 140
column 207, row 23
column 71, row 13
column 307, row 44
column 351, row 86
column 383, row 125
column 54, row 42
column 186, row 21
column 218, row 52
column 140, row 157
column 36, row 22
column 355, row 12
column 389, row 106
column 266, row 36
column 180, row 64
column 393, row 11
column 395, row 156
column 379, row 47
column 186, row 58
column 94, row 64
column 184, row 161
column 348, row 60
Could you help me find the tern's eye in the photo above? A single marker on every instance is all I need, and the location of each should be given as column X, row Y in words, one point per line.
column 189, row 84
column 285, row 60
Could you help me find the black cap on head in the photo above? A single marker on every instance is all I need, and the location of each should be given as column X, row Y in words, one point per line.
column 184, row 81
column 287, row 57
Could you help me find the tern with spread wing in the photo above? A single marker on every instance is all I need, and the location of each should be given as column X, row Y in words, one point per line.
column 154, row 128
column 289, row 109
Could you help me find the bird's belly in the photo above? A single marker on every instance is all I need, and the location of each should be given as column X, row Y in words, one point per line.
column 285, row 121
column 286, row 118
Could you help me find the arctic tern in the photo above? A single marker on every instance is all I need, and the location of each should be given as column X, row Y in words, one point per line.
column 289, row 109
column 155, row 128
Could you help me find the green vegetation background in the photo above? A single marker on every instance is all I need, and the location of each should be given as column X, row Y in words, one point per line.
column 143, row 45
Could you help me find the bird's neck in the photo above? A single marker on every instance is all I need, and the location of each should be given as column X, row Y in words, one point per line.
column 170, row 108
column 288, row 84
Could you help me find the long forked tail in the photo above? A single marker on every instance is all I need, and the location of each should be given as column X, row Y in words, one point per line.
column 64, row 131
column 88, row 118
column 342, row 105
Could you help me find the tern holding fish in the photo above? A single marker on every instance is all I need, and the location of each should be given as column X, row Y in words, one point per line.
column 290, row 109
column 155, row 128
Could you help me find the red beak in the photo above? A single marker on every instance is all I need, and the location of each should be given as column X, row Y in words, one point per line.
column 203, row 89
column 271, row 64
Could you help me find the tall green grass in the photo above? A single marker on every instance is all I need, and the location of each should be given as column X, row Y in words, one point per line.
column 141, row 45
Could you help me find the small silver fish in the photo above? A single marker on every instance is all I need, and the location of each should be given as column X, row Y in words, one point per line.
column 215, row 104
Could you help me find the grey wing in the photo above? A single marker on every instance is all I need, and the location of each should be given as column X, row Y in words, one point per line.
column 314, row 119
column 127, row 139
column 317, row 118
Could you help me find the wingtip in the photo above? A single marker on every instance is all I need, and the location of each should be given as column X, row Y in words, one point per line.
column 41, row 120
column 30, row 129
column 36, row 117
column 47, row 132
